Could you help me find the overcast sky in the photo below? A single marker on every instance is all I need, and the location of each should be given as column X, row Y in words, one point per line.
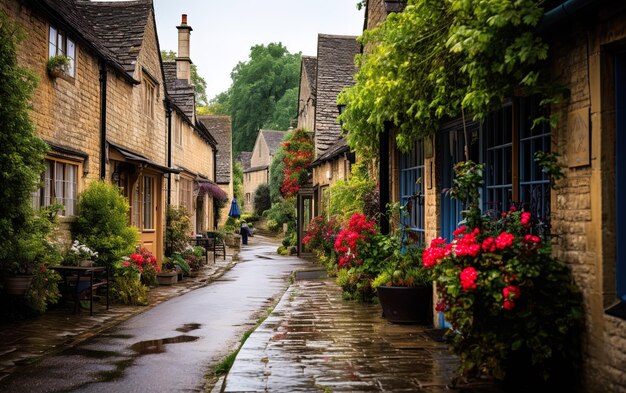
column 224, row 30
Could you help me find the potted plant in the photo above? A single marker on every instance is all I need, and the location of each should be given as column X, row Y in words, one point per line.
column 57, row 65
column 80, row 255
column 404, row 288
column 168, row 274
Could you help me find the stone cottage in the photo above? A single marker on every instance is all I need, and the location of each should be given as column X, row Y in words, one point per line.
column 193, row 150
column 103, row 116
column 265, row 147
column 220, row 127
column 586, row 56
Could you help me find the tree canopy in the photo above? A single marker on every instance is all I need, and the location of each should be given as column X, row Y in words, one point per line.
column 443, row 59
column 263, row 93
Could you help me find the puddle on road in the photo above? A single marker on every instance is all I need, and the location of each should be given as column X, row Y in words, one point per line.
column 186, row 328
column 158, row 346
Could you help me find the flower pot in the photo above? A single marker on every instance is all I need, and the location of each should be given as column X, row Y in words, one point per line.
column 167, row 278
column 85, row 263
column 410, row 305
column 17, row 285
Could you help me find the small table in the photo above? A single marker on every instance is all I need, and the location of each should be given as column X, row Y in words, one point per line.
column 72, row 279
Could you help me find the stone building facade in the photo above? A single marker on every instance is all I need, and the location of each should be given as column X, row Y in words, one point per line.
column 265, row 147
column 114, row 61
column 588, row 57
column 193, row 148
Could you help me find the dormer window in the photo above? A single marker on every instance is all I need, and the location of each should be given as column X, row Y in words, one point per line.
column 60, row 45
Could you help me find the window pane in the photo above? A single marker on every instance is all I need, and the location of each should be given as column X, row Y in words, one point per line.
column 60, row 45
column 147, row 203
column 136, row 206
column 70, row 190
column 71, row 53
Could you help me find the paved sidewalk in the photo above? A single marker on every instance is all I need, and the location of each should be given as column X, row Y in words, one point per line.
column 24, row 342
column 316, row 342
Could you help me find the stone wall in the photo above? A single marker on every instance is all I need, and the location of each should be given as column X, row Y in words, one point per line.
column 584, row 207
column 252, row 181
column 306, row 103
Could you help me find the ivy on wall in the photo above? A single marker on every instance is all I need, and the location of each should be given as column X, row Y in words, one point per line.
column 443, row 59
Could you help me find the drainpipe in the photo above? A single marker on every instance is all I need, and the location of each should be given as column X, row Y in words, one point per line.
column 560, row 12
column 103, row 118
column 168, row 115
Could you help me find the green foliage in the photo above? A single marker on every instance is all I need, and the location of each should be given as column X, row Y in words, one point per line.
column 238, row 181
column 439, row 60
column 549, row 163
column 255, row 96
column 129, row 291
column 57, row 62
column 277, row 172
column 197, row 81
column 354, row 285
column 299, row 153
column 177, row 230
column 280, row 213
column 102, row 223
column 262, row 200
column 348, row 197
column 21, row 155
column 180, row 264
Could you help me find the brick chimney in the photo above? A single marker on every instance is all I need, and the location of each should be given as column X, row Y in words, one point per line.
column 183, row 61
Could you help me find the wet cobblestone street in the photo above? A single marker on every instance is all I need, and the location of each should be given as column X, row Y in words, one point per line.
column 316, row 341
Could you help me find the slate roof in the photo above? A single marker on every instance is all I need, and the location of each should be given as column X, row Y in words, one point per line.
column 220, row 128
column 256, row 168
column 273, row 139
column 310, row 65
column 335, row 71
column 181, row 92
column 395, row 6
column 114, row 30
column 336, row 149
column 244, row 158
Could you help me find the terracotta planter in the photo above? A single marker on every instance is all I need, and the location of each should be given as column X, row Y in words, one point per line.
column 167, row 278
column 406, row 305
column 17, row 285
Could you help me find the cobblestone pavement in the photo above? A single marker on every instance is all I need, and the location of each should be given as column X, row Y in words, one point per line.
column 315, row 341
column 27, row 341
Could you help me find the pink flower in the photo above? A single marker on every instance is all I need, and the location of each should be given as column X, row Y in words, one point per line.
column 459, row 230
column 468, row 278
column 525, row 219
column 511, row 292
column 436, row 252
column 489, row 244
column 508, row 305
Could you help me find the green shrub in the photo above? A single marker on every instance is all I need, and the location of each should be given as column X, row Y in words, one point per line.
column 350, row 197
column 102, row 223
column 283, row 212
column 262, row 200
column 177, row 230
column 21, row 155
column 130, row 291
column 250, row 217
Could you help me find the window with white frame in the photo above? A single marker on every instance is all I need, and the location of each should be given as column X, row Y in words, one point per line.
column 59, row 44
column 59, row 185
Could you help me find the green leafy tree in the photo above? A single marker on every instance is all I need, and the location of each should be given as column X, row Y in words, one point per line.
column 196, row 80
column 21, row 155
column 262, row 200
column 439, row 60
column 258, row 87
column 102, row 223
column 238, row 181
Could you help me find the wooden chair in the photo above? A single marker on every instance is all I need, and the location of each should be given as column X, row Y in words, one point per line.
column 216, row 244
column 85, row 286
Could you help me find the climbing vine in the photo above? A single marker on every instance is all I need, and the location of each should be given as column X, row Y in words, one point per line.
column 298, row 149
column 443, row 59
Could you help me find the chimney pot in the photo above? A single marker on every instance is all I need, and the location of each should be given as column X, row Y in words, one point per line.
column 184, row 20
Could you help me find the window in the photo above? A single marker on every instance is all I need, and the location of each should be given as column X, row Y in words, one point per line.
column 60, row 45
column 148, row 202
column 511, row 173
column 149, row 92
column 620, row 177
column 186, row 188
column 498, row 169
column 59, row 186
column 178, row 130
column 247, row 197
column 412, row 189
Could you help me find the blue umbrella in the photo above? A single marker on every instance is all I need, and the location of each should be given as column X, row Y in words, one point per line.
column 234, row 209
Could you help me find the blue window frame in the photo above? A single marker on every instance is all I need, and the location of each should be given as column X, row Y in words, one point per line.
column 498, row 142
column 412, row 189
column 534, row 184
column 620, row 175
